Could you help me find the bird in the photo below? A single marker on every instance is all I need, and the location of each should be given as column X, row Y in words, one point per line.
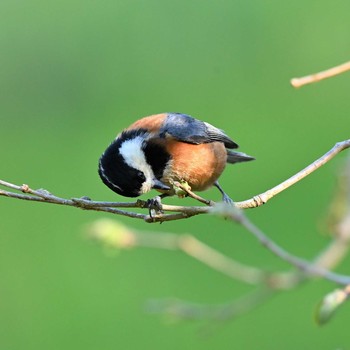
column 159, row 150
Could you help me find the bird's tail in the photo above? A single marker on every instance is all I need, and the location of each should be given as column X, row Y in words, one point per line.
column 237, row 157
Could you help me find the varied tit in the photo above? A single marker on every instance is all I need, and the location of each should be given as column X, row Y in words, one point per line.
column 156, row 151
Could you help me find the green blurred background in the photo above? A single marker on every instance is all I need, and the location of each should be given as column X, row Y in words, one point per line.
column 74, row 73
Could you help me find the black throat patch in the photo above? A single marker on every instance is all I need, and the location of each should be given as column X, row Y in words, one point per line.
column 157, row 157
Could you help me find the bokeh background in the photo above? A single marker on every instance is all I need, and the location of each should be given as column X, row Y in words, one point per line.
column 74, row 73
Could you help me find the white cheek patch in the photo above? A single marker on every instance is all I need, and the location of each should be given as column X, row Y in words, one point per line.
column 132, row 152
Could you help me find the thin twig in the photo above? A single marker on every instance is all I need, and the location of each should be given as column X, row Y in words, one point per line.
column 180, row 309
column 216, row 260
column 304, row 266
column 313, row 78
column 118, row 236
column 262, row 198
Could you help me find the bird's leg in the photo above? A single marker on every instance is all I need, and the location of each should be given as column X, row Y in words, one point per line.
column 225, row 198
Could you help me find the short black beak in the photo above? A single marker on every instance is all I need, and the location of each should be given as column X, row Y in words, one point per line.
column 159, row 185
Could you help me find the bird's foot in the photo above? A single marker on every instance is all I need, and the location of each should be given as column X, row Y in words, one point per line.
column 154, row 206
column 227, row 199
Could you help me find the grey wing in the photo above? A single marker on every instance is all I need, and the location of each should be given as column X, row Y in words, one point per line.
column 187, row 129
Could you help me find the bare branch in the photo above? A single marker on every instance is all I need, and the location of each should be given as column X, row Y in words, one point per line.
column 183, row 212
column 113, row 234
column 44, row 196
column 262, row 198
column 304, row 266
column 118, row 236
column 313, row 78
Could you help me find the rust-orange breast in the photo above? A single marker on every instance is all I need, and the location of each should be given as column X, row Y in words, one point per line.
column 199, row 165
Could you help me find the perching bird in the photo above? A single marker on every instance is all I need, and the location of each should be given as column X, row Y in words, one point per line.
column 157, row 150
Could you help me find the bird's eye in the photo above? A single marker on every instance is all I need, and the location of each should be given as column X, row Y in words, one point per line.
column 140, row 175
